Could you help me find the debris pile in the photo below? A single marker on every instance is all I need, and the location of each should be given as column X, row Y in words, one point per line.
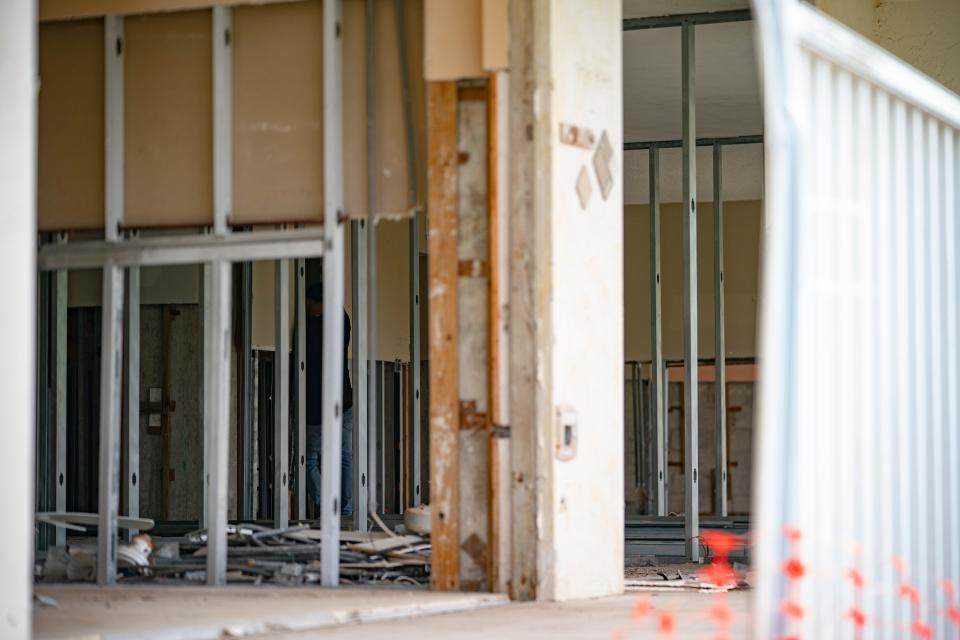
column 256, row 554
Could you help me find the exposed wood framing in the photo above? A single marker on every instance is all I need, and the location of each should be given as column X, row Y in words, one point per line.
column 523, row 400
column 442, row 209
column 473, row 335
column 498, row 459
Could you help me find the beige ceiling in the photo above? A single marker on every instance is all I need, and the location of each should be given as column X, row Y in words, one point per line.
column 727, row 102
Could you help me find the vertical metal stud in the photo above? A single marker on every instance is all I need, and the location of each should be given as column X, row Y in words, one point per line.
column 358, row 257
column 719, row 339
column 657, row 378
column 246, row 401
column 132, row 406
column 206, row 292
column 217, row 334
column 332, row 289
column 281, row 393
column 373, row 380
column 111, row 357
column 111, row 354
column 413, row 199
column 222, row 119
column 113, row 125
column 691, row 401
column 301, row 395
column 60, row 387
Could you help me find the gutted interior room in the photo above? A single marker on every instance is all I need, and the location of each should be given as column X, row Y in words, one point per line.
column 538, row 318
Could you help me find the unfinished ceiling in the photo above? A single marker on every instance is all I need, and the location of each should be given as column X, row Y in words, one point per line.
column 727, row 104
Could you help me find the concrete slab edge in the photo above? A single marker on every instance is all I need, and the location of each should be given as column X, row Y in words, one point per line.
column 306, row 622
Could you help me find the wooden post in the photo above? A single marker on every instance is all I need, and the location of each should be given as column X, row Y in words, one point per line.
column 444, row 406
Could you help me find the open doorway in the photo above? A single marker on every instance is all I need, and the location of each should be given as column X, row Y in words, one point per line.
column 689, row 76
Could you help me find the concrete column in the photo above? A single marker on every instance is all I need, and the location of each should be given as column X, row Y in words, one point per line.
column 566, row 299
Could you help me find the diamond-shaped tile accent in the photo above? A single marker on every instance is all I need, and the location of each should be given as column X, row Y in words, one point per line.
column 603, row 165
column 584, row 190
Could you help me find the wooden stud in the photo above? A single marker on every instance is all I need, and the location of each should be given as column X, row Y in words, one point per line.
column 444, row 403
column 494, row 463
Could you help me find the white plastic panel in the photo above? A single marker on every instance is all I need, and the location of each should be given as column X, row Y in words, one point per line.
column 859, row 390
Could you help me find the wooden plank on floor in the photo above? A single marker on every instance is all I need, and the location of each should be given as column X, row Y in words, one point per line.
column 442, row 275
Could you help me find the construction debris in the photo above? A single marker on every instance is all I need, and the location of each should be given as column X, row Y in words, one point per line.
column 78, row 521
column 256, row 554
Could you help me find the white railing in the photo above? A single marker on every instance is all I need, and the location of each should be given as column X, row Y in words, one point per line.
column 857, row 508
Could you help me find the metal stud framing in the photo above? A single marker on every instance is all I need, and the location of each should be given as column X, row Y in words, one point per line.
column 246, row 407
column 281, row 393
column 110, row 389
column 112, row 310
column 358, row 261
column 332, row 411
column 222, row 119
column 206, row 291
column 691, row 404
column 113, row 125
column 60, row 387
column 373, row 383
column 657, row 379
column 719, row 339
column 413, row 199
column 300, row 371
column 132, row 404
column 217, row 390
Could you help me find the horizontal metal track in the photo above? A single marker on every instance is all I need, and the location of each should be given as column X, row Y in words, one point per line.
column 678, row 19
column 186, row 249
column 701, row 142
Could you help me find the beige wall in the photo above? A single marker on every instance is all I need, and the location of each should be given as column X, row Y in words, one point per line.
column 741, row 253
column 925, row 33
column 277, row 115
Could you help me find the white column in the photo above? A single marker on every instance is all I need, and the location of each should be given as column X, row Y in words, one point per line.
column 577, row 243
column 18, row 185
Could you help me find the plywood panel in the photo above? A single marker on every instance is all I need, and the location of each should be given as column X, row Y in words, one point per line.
column 70, row 126
column 278, row 110
column 168, row 120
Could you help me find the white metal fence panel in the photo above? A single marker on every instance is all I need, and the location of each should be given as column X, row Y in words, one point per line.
column 857, row 514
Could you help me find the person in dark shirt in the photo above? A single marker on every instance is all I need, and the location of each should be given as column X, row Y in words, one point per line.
column 314, row 384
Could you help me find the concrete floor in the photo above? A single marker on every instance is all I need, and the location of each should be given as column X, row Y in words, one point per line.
column 188, row 613
column 606, row 618
column 304, row 613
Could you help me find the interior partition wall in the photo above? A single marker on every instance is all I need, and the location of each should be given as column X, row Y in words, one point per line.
column 189, row 170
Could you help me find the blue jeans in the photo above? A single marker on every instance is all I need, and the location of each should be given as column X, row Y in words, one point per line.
column 314, row 451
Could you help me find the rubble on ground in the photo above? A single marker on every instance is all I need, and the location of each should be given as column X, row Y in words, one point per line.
column 256, row 554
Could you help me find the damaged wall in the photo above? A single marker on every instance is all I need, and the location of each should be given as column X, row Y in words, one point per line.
column 579, row 292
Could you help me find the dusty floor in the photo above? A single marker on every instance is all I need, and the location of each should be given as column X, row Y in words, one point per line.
column 603, row 618
column 177, row 612
column 181, row 612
